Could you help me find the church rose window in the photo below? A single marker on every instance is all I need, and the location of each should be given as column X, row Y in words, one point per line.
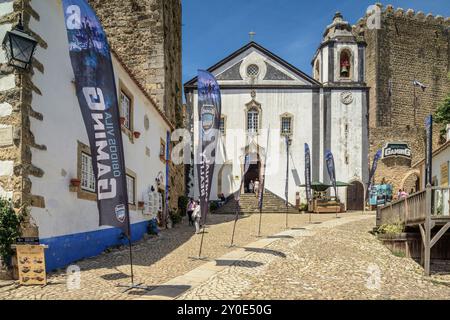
column 252, row 70
column 252, row 121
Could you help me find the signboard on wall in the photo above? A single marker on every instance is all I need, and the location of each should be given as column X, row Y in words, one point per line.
column 444, row 174
column 396, row 149
column 31, row 264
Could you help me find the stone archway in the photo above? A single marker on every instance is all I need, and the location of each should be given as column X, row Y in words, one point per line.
column 411, row 181
column 355, row 196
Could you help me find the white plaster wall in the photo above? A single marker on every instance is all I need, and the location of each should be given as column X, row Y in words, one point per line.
column 438, row 160
column 274, row 103
column 63, row 126
column 325, row 62
column 351, row 143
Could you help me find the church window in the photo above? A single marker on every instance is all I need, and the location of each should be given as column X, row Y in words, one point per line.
column 345, row 64
column 252, row 121
column 286, row 125
column 87, row 173
column 253, row 70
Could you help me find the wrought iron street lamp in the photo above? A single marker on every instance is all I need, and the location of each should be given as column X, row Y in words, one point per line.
column 19, row 47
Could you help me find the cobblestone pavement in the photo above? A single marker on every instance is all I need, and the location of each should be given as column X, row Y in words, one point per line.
column 157, row 260
column 335, row 260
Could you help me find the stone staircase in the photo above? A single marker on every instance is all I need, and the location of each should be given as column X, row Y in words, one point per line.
column 249, row 204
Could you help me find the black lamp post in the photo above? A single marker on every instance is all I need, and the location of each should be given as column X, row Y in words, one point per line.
column 19, row 47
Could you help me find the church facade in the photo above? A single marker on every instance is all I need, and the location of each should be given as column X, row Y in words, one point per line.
column 270, row 109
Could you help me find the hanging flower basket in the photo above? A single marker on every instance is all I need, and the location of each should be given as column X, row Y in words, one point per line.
column 137, row 134
column 75, row 182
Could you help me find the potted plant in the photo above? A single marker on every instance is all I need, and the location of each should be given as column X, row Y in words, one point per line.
column 137, row 134
column 75, row 182
column 122, row 121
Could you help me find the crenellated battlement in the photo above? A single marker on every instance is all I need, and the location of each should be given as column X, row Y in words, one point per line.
column 389, row 11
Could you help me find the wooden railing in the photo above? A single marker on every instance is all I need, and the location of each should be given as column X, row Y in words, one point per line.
column 413, row 209
column 404, row 211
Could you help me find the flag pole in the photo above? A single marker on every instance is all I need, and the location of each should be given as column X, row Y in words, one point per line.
column 235, row 223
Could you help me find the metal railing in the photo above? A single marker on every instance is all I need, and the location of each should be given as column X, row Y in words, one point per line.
column 413, row 209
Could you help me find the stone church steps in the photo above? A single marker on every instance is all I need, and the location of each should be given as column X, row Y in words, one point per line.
column 249, row 204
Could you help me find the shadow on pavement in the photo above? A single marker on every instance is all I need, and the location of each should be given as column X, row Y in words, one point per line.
column 280, row 237
column 239, row 263
column 164, row 291
column 266, row 251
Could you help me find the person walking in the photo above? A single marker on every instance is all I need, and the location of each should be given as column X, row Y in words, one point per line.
column 197, row 215
column 190, row 210
column 251, row 186
column 256, row 187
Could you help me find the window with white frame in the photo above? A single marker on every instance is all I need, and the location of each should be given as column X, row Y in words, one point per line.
column 125, row 109
column 286, row 125
column 252, row 121
column 222, row 125
column 87, row 173
column 131, row 190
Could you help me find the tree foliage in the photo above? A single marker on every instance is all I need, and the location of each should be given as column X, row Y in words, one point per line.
column 442, row 114
column 9, row 230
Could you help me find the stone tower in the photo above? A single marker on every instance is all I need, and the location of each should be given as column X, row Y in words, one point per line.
column 405, row 46
column 146, row 34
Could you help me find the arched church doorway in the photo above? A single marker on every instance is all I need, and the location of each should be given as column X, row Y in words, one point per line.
column 253, row 172
column 355, row 196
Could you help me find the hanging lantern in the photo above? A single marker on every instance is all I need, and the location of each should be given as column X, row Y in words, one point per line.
column 19, row 47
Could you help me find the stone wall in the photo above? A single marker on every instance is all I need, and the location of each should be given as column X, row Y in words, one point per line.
column 146, row 35
column 16, row 94
column 408, row 46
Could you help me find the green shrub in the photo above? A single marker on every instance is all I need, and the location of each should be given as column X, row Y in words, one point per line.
column 9, row 230
column 176, row 217
column 391, row 229
column 213, row 206
column 182, row 204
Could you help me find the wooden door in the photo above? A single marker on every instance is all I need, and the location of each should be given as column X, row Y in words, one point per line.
column 355, row 196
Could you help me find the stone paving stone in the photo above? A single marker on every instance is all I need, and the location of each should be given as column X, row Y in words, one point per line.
column 339, row 259
column 157, row 260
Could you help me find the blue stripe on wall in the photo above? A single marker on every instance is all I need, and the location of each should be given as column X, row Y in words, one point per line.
column 64, row 250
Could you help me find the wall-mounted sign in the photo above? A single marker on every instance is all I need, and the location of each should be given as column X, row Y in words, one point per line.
column 396, row 149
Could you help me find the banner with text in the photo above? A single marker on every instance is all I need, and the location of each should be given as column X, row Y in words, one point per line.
column 308, row 172
column 209, row 111
column 373, row 169
column 97, row 95
column 331, row 170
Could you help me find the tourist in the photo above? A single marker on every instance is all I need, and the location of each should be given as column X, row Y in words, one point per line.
column 256, row 187
column 197, row 215
column 251, row 186
column 222, row 199
column 190, row 209
column 403, row 194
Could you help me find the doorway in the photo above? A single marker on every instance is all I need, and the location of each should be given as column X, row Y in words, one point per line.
column 355, row 196
column 253, row 173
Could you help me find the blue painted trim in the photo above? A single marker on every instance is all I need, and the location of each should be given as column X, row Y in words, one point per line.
column 64, row 250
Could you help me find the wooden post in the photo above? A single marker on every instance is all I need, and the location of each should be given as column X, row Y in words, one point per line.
column 427, row 240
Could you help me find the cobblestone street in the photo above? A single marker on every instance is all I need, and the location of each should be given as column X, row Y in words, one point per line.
column 328, row 259
column 157, row 260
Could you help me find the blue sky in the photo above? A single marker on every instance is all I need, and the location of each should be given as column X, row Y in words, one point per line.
column 292, row 29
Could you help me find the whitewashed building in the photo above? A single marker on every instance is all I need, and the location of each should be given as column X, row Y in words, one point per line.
column 53, row 147
column 328, row 111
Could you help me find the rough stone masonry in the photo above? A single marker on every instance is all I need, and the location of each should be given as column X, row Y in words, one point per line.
column 409, row 45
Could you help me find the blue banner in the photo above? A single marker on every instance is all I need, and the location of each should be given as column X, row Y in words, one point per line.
column 308, row 172
column 331, row 170
column 209, row 111
column 97, row 95
column 429, row 155
column 373, row 169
